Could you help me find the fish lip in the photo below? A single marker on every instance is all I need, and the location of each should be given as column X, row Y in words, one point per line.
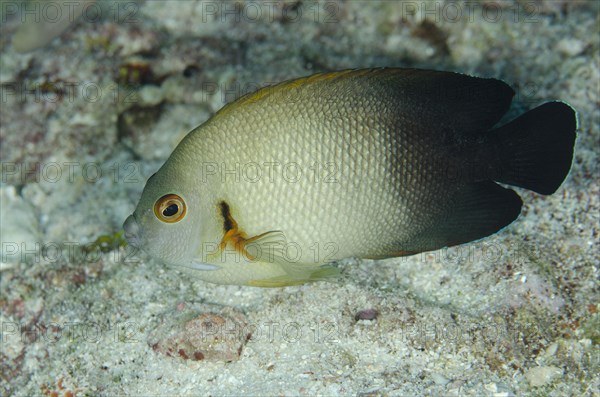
column 132, row 231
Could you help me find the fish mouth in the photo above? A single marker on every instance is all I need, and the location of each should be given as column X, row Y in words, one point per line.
column 132, row 231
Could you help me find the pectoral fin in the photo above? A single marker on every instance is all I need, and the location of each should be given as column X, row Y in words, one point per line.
column 265, row 246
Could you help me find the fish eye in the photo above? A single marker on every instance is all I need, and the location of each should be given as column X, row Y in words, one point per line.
column 170, row 208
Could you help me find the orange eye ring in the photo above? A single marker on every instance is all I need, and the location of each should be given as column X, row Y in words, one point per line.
column 170, row 208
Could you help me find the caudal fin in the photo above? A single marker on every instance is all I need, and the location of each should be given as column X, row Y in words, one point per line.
column 536, row 149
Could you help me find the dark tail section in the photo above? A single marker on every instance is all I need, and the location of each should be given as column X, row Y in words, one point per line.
column 536, row 149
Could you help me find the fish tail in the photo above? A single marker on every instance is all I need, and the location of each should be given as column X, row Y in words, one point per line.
column 535, row 150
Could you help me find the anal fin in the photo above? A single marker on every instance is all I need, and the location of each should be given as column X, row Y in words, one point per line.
column 478, row 210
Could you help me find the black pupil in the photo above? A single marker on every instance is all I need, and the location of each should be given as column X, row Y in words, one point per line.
column 171, row 210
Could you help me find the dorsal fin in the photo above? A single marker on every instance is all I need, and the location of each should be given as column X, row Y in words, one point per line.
column 453, row 103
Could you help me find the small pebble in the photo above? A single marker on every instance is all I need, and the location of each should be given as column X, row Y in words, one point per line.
column 539, row 376
column 368, row 314
column 570, row 47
